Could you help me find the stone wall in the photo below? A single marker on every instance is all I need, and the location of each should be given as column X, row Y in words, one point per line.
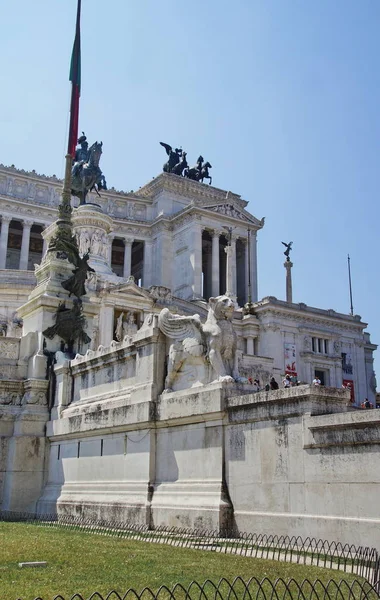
column 294, row 462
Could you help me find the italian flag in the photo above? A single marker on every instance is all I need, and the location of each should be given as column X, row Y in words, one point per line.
column 75, row 90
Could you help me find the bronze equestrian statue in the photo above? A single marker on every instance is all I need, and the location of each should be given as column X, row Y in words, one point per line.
column 86, row 174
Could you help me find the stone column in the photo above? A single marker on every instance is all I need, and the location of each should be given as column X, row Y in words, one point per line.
column 254, row 266
column 44, row 247
column 196, row 258
column 24, row 255
column 4, row 240
column 109, row 258
column 127, row 256
column 106, row 322
column 289, row 292
column 215, row 264
column 233, row 266
column 148, row 263
column 250, row 345
column 229, row 269
column 246, row 265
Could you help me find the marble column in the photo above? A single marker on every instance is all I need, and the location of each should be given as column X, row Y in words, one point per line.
column 148, row 263
column 24, row 255
column 246, row 258
column 250, row 345
column 215, row 281
column 289, row 290
column 45, row 244
column 254, row 266
column 233, row 266
column 127, row 257
column 4, row 240
column 196, row 258
column 106, row 325
column 110, row 241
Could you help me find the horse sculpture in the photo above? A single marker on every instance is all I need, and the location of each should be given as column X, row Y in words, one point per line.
column 205, row 174
column 181, row 166
column 200, row 171
column 86, row 176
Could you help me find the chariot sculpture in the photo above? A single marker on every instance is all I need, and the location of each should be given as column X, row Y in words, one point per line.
column 177, row 164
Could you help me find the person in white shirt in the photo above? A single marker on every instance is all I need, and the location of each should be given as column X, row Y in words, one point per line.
column 286, row 381
column 316, row 381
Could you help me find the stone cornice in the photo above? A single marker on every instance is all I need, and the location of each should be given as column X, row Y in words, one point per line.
column 201, row 193
column 273, row 307
column 12, row 171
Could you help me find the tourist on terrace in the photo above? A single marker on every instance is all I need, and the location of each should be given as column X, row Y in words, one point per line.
column 273, row 384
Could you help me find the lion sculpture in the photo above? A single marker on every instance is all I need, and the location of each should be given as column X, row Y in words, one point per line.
column 214, row 342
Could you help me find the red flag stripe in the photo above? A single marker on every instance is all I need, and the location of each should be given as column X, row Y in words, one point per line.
column 75, row 77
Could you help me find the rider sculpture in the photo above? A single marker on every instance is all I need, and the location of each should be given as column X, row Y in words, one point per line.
column 86, row 174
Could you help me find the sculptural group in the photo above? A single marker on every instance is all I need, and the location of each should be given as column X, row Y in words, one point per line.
column 178, row 165
column 213, row 343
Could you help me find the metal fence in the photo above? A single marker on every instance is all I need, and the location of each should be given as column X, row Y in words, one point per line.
column 359, row 560
column 238, row 589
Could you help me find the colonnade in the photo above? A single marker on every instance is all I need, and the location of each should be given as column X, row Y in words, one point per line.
column 207, row 258
column 214, row 265
column 130, row 263
column 25, row 241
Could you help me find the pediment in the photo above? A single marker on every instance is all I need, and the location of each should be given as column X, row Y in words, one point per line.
column 228, row 209
column 129, row 289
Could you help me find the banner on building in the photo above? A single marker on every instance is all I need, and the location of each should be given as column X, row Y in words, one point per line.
column 290, row 359
column 348, row 383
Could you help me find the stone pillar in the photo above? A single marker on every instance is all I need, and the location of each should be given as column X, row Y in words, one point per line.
column 109, row 258
column 106, row 325
column 250, row 345
column 24, row 255
column 254, row 266
column 196, row 258
column 246, row 265
column 289, row 292
column 233, row 266
column 4, row 240
column 127, row 256
column 230, row 272
column 44, row 247
column 215, row 264
column 148, row 263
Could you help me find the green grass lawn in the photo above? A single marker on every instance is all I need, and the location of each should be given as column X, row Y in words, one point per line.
column 83, row 562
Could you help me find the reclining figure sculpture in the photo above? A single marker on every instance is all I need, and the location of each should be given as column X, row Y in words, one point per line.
column 214, row 342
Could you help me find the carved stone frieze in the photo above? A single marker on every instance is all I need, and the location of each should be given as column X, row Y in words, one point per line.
column 161, row 294
column 10, row 397
column 229, row 210
column 9, row 348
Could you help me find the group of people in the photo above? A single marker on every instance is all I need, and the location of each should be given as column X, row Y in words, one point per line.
column 272, row 385
column 290, row 381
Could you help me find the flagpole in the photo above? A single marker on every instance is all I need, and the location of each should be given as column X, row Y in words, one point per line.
column 350, row 285
column 64, row 234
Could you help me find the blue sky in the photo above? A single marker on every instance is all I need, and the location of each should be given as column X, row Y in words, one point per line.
column 281, row 96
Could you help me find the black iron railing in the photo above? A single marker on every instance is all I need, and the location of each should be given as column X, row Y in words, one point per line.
column 238, row 589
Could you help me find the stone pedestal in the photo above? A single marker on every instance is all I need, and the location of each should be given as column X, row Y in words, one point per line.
column 92, row 227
